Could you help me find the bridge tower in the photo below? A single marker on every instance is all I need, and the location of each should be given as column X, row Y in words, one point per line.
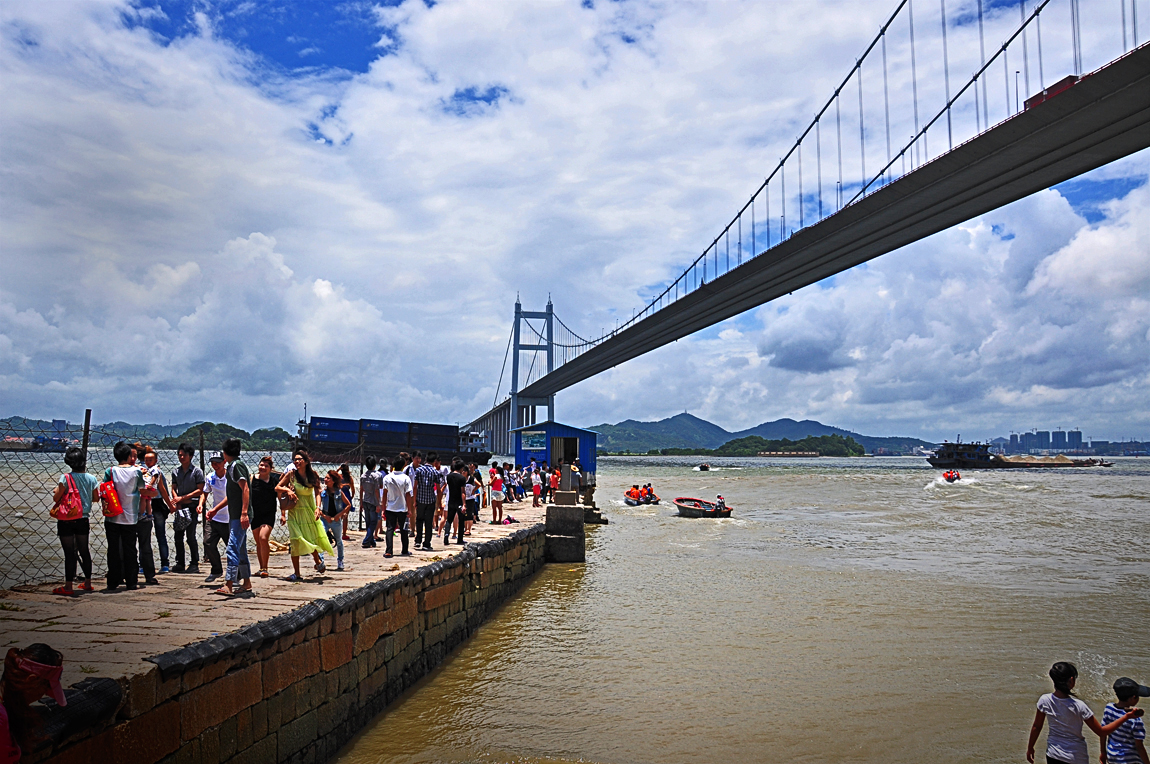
column 524, row 410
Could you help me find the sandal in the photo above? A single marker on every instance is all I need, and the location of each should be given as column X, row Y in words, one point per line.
column 263, row 573
column 224, row 591
column 63, row 592
column 322, row 567
column 86, row 587
column 293, row 578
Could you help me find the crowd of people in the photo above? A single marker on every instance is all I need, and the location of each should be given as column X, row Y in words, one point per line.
column 414, row 496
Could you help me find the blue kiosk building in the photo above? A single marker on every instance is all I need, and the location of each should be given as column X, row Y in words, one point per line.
column 553, row 442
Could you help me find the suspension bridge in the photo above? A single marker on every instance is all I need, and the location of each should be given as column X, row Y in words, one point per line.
column 974, row 145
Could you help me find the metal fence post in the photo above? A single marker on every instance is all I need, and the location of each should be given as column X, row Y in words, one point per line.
column 87, row 432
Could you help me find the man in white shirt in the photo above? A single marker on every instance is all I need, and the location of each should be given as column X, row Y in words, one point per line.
column 399, row 500
column 217, row 525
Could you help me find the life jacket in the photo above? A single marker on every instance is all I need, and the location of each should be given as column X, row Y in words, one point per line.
column 633, row 494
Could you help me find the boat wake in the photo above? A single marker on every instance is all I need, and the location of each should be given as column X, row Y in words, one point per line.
column 939, row 482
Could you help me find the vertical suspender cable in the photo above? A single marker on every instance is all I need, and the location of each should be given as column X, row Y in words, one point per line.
column 819, row 164
column 728, row 254
column 1124, row 48
column 862, row 134
column 767, row 200
column 839, row 143
column 982, row 60
column 886, row 103
column 802, row 216
column 1077, row 40
column 1025, row 53
column 946, row 76
column 783, row 202
column 1134, row 23
column 1038, row 25
column 913, row 81
column 754, row 249
column 1006, row 76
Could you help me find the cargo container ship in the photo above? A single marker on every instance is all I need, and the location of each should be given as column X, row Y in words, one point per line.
column 334, row 441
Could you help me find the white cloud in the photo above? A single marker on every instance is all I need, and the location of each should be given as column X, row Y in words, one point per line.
column 186, row 232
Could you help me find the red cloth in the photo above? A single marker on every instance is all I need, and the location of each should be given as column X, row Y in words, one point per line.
column 9, row 751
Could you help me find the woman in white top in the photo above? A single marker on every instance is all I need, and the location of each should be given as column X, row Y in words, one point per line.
column 1064, row 743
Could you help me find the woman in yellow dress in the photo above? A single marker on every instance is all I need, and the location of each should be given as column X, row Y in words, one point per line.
column 301, row 485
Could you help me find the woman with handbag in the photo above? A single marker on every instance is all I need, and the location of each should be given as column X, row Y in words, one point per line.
column 298, row 490
column 72, row 501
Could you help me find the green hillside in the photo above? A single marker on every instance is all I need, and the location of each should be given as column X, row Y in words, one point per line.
column 684, row 433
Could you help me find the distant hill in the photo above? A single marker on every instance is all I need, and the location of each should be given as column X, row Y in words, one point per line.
column 110, row 432
column 687, row 432
column 159, row 435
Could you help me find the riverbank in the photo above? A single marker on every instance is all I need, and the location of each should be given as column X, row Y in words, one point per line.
column 175, row 673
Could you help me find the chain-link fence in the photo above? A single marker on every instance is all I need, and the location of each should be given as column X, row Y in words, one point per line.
column 32, row 464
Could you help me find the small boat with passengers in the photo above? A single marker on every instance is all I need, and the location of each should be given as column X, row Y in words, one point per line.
column 702, row 508
column 636, row 496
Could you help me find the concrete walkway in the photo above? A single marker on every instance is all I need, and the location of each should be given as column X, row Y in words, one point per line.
column 109, row 635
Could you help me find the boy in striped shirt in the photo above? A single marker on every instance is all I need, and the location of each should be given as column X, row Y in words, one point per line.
column 1124, row 745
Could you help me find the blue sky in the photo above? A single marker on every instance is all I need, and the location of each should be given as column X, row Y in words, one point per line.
column 261, row 204
column 294, row 36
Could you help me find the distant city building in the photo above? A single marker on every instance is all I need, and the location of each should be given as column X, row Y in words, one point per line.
column 1074, row 439
column 1042, row 440
column 1099, row 443
column 1058, row 440
column 1013, row 447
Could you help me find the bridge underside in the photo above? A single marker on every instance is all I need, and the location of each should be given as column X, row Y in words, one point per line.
column 1103, row 117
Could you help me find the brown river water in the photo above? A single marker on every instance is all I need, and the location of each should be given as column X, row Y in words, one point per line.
column 851, row 610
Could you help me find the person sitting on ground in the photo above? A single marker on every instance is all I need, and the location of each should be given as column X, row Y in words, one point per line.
column 73, row 533
column 1125, row 745
column 29, row 675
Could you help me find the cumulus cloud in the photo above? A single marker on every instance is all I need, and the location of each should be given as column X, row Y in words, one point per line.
column 190, row 232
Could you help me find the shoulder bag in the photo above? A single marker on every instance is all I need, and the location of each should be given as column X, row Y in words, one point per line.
column 109, row 497
column 70, row 506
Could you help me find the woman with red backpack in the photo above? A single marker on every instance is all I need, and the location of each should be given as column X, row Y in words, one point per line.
column 72, row 501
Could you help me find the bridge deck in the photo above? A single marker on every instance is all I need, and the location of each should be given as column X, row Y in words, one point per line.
column 1104, row 117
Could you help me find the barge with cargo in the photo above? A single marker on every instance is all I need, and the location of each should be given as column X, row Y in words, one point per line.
column 977, row 456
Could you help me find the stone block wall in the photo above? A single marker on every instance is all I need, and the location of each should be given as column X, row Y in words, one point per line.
column 297, row 687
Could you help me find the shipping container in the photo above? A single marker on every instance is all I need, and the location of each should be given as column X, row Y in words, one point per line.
column 386, row 438
column 333, row 436
column 334, row 425
column 383, row 425
column 424, row 428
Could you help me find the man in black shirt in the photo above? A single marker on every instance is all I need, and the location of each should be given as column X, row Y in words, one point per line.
column 455, row 482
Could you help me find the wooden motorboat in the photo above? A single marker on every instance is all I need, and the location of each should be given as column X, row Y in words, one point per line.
column 700, row 508
column 704, row 467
